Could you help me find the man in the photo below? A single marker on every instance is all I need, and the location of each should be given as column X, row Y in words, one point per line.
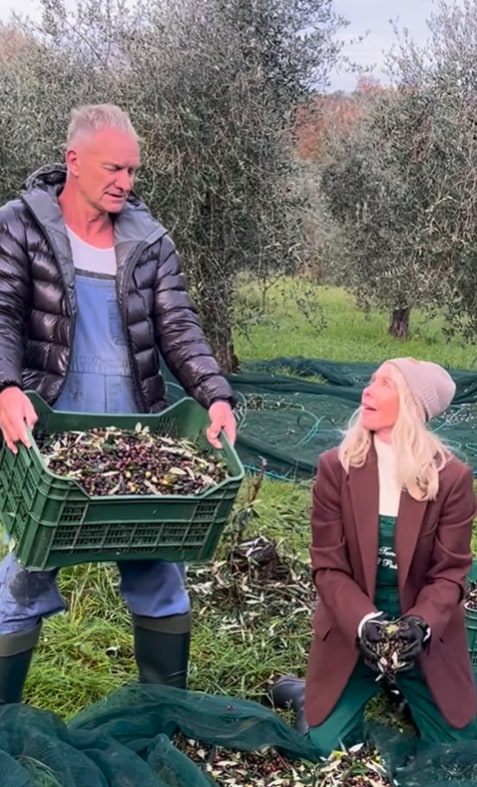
column 91, row 291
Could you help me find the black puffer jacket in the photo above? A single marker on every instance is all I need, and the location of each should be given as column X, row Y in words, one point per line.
column 38, row 300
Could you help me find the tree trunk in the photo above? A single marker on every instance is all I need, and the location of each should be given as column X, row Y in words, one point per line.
column 224, row 353
column 215, row 295
column 399, row 324
column 219, row 336
column 216, row 323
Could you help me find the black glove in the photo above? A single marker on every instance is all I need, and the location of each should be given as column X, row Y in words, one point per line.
column 415, row 634
column 370, row 637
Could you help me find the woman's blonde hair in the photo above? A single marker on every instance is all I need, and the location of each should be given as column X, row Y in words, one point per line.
column 420, row 455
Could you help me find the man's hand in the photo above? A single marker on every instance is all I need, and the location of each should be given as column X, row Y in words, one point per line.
column 416, row 635
column 16, row 413
column 370, row 635
column 221, row 417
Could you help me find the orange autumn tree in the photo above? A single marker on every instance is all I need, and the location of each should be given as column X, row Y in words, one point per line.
column 328, row 114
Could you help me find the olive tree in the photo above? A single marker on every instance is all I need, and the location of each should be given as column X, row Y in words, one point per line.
column 403, row 181
column 445, row 69
column 377, row 187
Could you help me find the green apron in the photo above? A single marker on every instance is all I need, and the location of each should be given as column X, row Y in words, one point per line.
column 345, row 724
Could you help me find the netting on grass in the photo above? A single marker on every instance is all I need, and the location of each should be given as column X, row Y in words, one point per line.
column 128, row 740
column 289, row 419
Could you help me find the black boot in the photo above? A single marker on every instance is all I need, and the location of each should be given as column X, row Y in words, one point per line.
column 16, row 651
column 289, row 692
column 161, row 648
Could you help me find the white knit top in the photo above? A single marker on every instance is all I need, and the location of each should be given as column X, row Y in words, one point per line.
column 389, row 489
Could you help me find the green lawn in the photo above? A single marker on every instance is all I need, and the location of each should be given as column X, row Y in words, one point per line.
column 244, row 631
column 349, row 335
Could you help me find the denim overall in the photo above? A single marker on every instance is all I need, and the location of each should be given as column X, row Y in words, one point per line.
column 99, row 380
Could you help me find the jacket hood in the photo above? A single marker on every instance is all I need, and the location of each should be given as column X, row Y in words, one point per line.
column 47, row 176
column 52, row 177
column 133, row 223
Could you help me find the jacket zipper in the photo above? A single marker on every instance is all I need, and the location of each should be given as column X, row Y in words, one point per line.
column 73, row 331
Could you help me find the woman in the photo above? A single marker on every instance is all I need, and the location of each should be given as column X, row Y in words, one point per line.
column 391, row 541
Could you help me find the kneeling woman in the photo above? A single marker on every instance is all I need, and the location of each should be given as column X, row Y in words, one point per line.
column 391, row 541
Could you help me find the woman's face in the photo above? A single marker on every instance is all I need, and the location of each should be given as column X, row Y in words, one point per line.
column 380, row 403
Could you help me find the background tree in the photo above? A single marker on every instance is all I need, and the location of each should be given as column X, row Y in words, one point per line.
column 377, row 188
column 402, row 181
column 446, row 71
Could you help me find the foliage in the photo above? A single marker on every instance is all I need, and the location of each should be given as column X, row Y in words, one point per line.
column 327, row 114
column 377, row 189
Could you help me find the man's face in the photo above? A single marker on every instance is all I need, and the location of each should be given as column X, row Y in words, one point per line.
column 104, row 165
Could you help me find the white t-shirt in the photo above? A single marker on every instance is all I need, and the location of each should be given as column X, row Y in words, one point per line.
column 89, row 258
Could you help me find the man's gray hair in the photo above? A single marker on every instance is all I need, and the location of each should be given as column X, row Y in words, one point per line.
column 90, row 118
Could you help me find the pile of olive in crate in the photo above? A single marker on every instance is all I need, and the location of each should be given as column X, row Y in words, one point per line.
column 114, row 461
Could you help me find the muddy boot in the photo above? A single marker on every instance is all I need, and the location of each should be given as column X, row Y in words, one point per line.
column 16, row 651
column 161, row 649
column 289, row 692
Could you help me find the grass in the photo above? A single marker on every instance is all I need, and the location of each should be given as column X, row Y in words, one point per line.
column 289, row 329
column 241, row 639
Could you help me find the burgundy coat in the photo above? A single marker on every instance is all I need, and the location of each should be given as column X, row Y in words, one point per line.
column 433, row 556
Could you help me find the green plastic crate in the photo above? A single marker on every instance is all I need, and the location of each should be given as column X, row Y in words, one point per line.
column 52, row 522
column 471, row 621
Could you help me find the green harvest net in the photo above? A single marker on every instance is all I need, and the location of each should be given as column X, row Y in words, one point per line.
column 289, row 420
column 128, row 739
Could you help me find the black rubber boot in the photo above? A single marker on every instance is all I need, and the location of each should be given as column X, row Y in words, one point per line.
column 289, row 692
column 16, row 651
column 161, row 649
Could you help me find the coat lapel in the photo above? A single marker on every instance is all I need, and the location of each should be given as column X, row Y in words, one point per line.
column 410, row 516
column 364, row 494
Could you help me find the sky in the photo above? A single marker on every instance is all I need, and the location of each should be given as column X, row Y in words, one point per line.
column 365, row 16
column 373, row 17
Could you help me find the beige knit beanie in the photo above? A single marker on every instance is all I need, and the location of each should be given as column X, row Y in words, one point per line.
column 430, row 384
